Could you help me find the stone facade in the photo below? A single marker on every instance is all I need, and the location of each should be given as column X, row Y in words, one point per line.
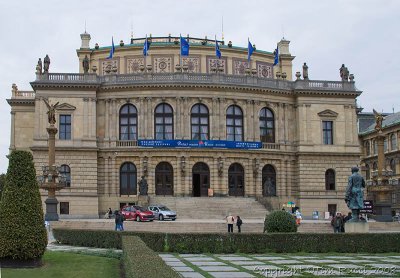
column 293, row 165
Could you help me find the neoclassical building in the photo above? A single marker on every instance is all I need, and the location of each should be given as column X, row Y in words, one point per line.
column 189, row 124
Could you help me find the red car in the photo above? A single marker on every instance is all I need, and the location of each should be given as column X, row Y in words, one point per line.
column 137, row 213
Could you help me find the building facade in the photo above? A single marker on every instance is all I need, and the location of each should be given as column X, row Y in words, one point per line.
column 189, row 124
column 386, row 199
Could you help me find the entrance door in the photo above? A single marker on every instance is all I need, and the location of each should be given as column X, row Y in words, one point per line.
column 200, row 179
column 164, row 179
column 236, row 180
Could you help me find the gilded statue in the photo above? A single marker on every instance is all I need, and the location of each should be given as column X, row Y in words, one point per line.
column 378, row 120
column 51, row 113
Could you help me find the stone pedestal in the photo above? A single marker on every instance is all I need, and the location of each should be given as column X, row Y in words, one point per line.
column 51, row 209
column 143, row 200
column 356, row 227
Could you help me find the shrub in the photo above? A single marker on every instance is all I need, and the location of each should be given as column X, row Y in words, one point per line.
column 280, row 221
column 22, row 232
column 140, row 261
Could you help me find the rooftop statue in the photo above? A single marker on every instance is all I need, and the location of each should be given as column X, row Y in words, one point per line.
column 378, row 120
column 46, row 62
column 355, row 194
column 85, row 64
column 39, row 67
column 344, row 73
column 51, row 113
column 305, row 71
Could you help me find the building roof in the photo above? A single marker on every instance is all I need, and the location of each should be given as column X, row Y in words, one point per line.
column 388, row 121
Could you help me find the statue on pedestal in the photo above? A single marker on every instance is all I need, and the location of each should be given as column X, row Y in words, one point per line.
column 344, row 73
column 305, row 71
column 378, row 120
column 46, row 62
column 85, row 64
column 355, row 194
column 143, row 186
column 39, row 67
column 51, row 113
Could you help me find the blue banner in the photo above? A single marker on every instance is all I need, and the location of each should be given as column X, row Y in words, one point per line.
column 220, row 144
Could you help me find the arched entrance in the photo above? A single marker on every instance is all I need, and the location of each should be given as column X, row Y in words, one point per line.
column 200, row 180
column 236, row 180
column 268, row 181
column 164, row 179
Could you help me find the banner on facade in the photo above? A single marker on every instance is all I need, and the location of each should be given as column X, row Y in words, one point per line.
column 220, row 144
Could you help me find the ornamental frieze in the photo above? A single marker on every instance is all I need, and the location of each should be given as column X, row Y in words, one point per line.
column 264, row 70
column 133, row 65
column 163, row 64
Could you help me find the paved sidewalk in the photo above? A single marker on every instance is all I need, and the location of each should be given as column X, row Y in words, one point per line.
column 283, row 265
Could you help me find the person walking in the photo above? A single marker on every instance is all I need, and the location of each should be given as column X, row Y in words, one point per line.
column 337, row 223
column 239, row 223
column 119, row 221
column 230, row 221
column 116, row 220
column 298, row 217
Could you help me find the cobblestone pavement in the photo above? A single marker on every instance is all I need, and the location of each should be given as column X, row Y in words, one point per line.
column 285, row 265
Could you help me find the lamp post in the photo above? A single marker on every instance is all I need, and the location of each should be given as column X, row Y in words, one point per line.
column 51, row 180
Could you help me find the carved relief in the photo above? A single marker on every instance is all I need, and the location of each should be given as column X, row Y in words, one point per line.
column 213, row 62
column 239, row 67
column 193, row 63
column 133, row 64
column 163, row 64
column 264, row 70
column 109, row 66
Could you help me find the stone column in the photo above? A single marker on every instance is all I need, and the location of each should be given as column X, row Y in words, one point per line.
column 249, row 121
column 214, row 120
column 308, row 133
column 185, row 127
column 107, row 120
column 178, row 119
column 381, row 155
column 93, row 118
column 222, row 119
column 85, row 117
column 141, row 119
column 149, row 114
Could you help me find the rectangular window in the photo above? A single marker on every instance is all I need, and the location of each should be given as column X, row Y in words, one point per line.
column 65, row 127
column 327, row 131
column 64, row 207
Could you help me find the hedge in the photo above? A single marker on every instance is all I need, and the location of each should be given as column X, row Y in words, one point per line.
column 140, row 261
column 243, row 243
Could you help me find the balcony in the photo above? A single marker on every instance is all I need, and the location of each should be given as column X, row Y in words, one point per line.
column 185, row 78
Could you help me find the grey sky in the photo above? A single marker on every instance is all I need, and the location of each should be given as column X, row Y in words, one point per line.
column 363, row 34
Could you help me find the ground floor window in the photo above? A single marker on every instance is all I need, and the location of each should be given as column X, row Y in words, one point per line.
column 64, row 207
column 332, row 208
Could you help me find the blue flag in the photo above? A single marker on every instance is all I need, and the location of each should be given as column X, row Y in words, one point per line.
column 250, row 50
column 217, row 50
column 112, row 50
column 276, row 58
column 184, row 47
column 146, row 47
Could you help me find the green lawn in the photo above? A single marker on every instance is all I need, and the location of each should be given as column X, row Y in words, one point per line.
column 63, row 264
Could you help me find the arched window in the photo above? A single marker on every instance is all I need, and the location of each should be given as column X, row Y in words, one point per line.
column 269, row 181
column 393, row 166
column 330, row 179
column 367, row 172
column 367, row 148
column 199, row 120
column 164, row 122
column 128, row 122
column 128, row 179
column 375, row 147
column 234, row 123
column 66, row 172
column 393, row 142
column 267, row 126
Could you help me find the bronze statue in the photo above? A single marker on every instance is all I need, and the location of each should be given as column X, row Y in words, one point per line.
column 355, row 194
column 305, row 71
column 378, row 120
column 85, row 64
column 143, row 186
column 46, row 62
column 344, row 73
column 51, row 113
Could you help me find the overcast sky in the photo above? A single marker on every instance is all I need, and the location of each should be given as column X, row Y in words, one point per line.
column 363, row 34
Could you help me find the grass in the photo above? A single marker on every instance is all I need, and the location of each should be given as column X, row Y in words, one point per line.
column 63, row 264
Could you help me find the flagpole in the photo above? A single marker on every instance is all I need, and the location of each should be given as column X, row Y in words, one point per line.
column 145, row 56
column 180, row 52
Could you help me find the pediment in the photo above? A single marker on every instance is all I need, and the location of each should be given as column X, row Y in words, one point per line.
column 65, row 107
column 328, row 114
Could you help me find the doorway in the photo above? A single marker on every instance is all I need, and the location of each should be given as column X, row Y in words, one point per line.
column 236, row 180
column 164, row 179
column 200, row 180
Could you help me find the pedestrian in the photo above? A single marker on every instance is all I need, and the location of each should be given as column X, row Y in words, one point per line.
column 108, row 214
column 239, row 223
column 337, row 223
column 116, row 220
column 298, row 217
column 119, row 221
column 230, row 221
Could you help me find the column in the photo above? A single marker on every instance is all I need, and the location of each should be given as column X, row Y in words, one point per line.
column 113, row 115
column 149, row 124
column 141, row 119
column 308, row 135
column 114, row 187
column 214, row 120
column 249, row 121
column 12, row 139
column 281, row 123
column 107, row 187
column 107, row 120
column 285, row 123
column 85, row 117
column 222, row 121
column 93, row 119
column 185, row 113
column 178, row 119
column 347, row 122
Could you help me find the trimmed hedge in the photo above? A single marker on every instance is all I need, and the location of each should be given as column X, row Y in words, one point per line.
column 243, row 243
column 140, row 261
column 280, row 221
column 23, row 235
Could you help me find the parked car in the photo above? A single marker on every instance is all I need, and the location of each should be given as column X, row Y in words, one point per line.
column 161, row 212
column 137, row 213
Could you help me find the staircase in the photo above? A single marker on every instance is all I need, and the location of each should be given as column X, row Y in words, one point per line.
column 212, row 207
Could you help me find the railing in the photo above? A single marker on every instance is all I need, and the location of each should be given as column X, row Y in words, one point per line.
column 271, row 146
column 23, row 94
column 126, row 143
column 195, row 78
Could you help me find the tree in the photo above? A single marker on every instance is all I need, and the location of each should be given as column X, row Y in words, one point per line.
column 2, row 182
column 280, row 222
column 23, row 235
